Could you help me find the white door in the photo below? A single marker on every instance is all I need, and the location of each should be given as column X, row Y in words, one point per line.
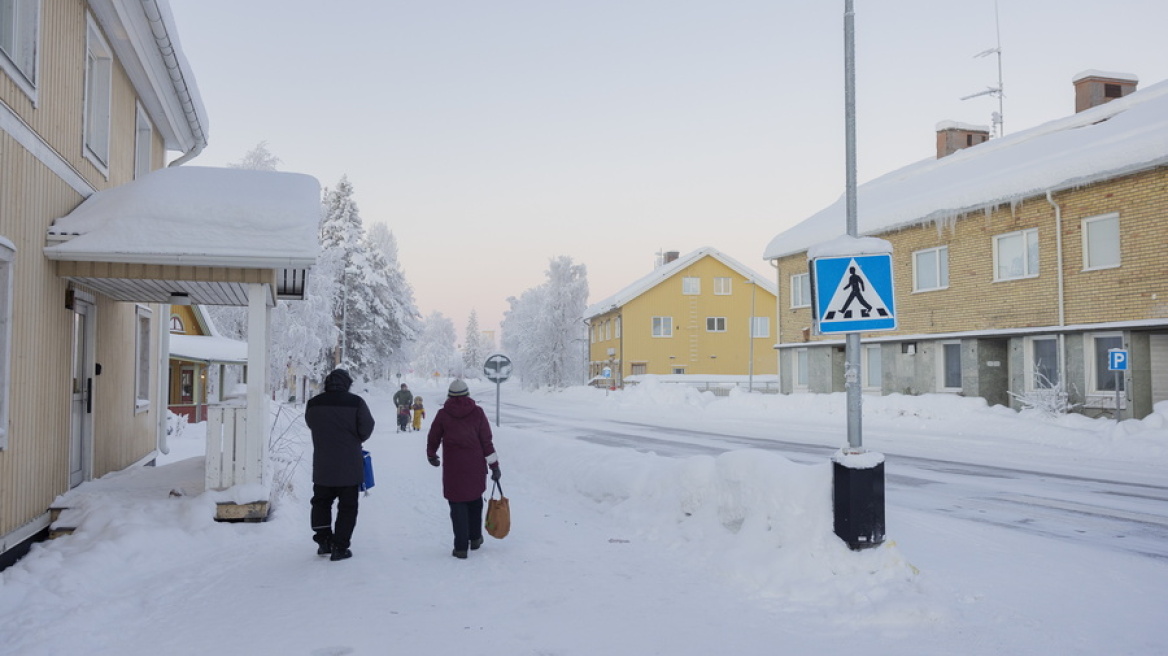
column 81, row 424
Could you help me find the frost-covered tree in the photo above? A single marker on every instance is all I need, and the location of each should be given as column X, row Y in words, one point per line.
column 435, row 352
column 404, row 323
column 544, row 332
column 473, row 350
column 258, row 159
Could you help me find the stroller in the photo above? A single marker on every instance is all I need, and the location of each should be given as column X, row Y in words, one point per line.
column 403, row 418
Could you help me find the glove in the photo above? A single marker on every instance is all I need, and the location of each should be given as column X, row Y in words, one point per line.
column 496, row 473
column 434, row 461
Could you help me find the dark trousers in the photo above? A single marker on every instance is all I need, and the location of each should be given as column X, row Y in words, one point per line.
column 466, row 517
column 323, row 497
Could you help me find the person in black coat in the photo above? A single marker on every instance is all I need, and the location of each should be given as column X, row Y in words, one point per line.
column 340, row 423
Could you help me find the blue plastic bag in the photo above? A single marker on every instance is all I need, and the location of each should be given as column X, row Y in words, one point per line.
column 368, row 482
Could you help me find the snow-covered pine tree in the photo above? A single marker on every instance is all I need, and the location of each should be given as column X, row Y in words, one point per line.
column 258, row 159
column 473, row 352
column 434, row 352
column 543, row 331
column 404, row 321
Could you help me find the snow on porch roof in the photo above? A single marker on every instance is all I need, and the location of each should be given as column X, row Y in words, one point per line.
column 1124, row 136
column 208, row 348
column 196, row 216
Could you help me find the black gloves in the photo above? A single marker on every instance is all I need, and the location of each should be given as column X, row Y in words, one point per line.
column 434, row 461
column 496, row 473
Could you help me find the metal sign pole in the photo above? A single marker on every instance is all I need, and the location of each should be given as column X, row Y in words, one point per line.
column 498, row 393
column 1117, row 395
column 852, row 386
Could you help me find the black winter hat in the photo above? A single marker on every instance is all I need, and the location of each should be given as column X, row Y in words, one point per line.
column 339, row 379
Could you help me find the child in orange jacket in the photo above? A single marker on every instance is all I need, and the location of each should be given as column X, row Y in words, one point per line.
column 419, row 413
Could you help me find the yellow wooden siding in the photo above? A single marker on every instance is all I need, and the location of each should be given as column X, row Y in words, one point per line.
column 186, row 313
column 1136, row 290
column 691, row 345
column 122, row 436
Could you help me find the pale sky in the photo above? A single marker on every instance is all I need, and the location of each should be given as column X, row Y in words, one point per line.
column 491, row 136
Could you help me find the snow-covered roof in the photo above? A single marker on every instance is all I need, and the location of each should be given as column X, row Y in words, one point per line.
column 207, row 348
column 197, row 216
column 666, row 271
column 1120, row 137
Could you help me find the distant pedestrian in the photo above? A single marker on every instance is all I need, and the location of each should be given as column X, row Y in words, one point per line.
column 340, row 423
column 463, row 432
column 403, row 397
column 419, row 413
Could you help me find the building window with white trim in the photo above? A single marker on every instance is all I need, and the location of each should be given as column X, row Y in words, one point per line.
column 931, row 269
column 691, row 286
column 99, row 68
column 801, row 381
column 143, row 143
column 19, row 42
column 760, row 327
column 801, row 290
column 663, row 326
column 715, row 324
column 1042, row 363
column 1016, row 255
column 873, row 367
column 722, row 286
column 7, row 254
column 1101, row 242
column 1102, row 379
column 142, row 360
column 618, row 323
column 949, row 366
column 678, row 371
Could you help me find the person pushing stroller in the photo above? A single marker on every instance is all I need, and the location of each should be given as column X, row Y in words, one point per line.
column 403, row 399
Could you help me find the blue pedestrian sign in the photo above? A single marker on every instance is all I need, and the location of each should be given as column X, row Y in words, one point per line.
column 1117, row 360
column 853, row 293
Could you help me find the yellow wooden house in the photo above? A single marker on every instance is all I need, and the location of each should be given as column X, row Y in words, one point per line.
column 199, row 355
column 692, row 315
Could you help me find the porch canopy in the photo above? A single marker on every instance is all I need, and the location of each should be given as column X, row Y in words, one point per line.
column 199, row 232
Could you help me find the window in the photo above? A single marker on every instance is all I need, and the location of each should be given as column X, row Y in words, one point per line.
column 721, row 286
column 873, row 367
column 691, row 286
column 1112, row 91
column 802, row 370
column 801, row 290
column 679, row 370
column 98, row 83
column 760, row 327
column 1103, row 380
column 608, row 330
column 1042, row 364
column 715, row 324
column 1016, row 255
column 143, row 144
column 176, row 324
column 663, row 326
column 7, row 253
column 950, row 364
column 618, row 322
column 931, row 269
column 1101, row 242
column 142, row 370
column 19, row 31
column 639, row 368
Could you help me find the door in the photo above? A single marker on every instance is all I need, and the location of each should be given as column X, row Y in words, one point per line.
column 81, row 424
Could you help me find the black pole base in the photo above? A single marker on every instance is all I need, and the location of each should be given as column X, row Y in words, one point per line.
column 858, row 503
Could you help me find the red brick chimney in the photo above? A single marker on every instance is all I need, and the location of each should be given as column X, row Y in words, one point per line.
column 1093, row 88
column 953, row 136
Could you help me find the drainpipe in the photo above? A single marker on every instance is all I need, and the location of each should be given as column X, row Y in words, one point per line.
column 1062, row 309
column 174, row 66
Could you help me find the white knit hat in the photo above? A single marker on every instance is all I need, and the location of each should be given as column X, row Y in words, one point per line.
column 458, row 388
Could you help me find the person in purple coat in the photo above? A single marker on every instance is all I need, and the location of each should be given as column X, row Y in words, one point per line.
column 463, row 432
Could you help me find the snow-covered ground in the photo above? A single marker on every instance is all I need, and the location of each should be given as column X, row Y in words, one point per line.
column 613, row 550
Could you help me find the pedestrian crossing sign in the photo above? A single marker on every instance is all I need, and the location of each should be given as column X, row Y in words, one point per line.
column 853, row 294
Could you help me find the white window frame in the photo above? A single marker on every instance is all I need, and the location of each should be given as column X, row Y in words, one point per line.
column 691, row 286
column 873, row 374
column 760, row 327
column 20, row 58
column 607, row 329
column 1101, row 242
column 143, row 144
column 1029, row 259
column 939, row 258
column 618, row 323
column 723, row 286
column 942, row 369
column 678, row 371
column 1032, row 362
column 662, row 327
column 801, row 369
column 99, row 71
column 142, row 332
column 715, row 324
column 1095, row 368
column 801, row 290
column 7, row 256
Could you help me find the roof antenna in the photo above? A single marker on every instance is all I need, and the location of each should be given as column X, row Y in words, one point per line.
column 998, row 91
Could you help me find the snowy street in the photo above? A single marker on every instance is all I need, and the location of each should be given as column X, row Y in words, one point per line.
column 651, row 521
